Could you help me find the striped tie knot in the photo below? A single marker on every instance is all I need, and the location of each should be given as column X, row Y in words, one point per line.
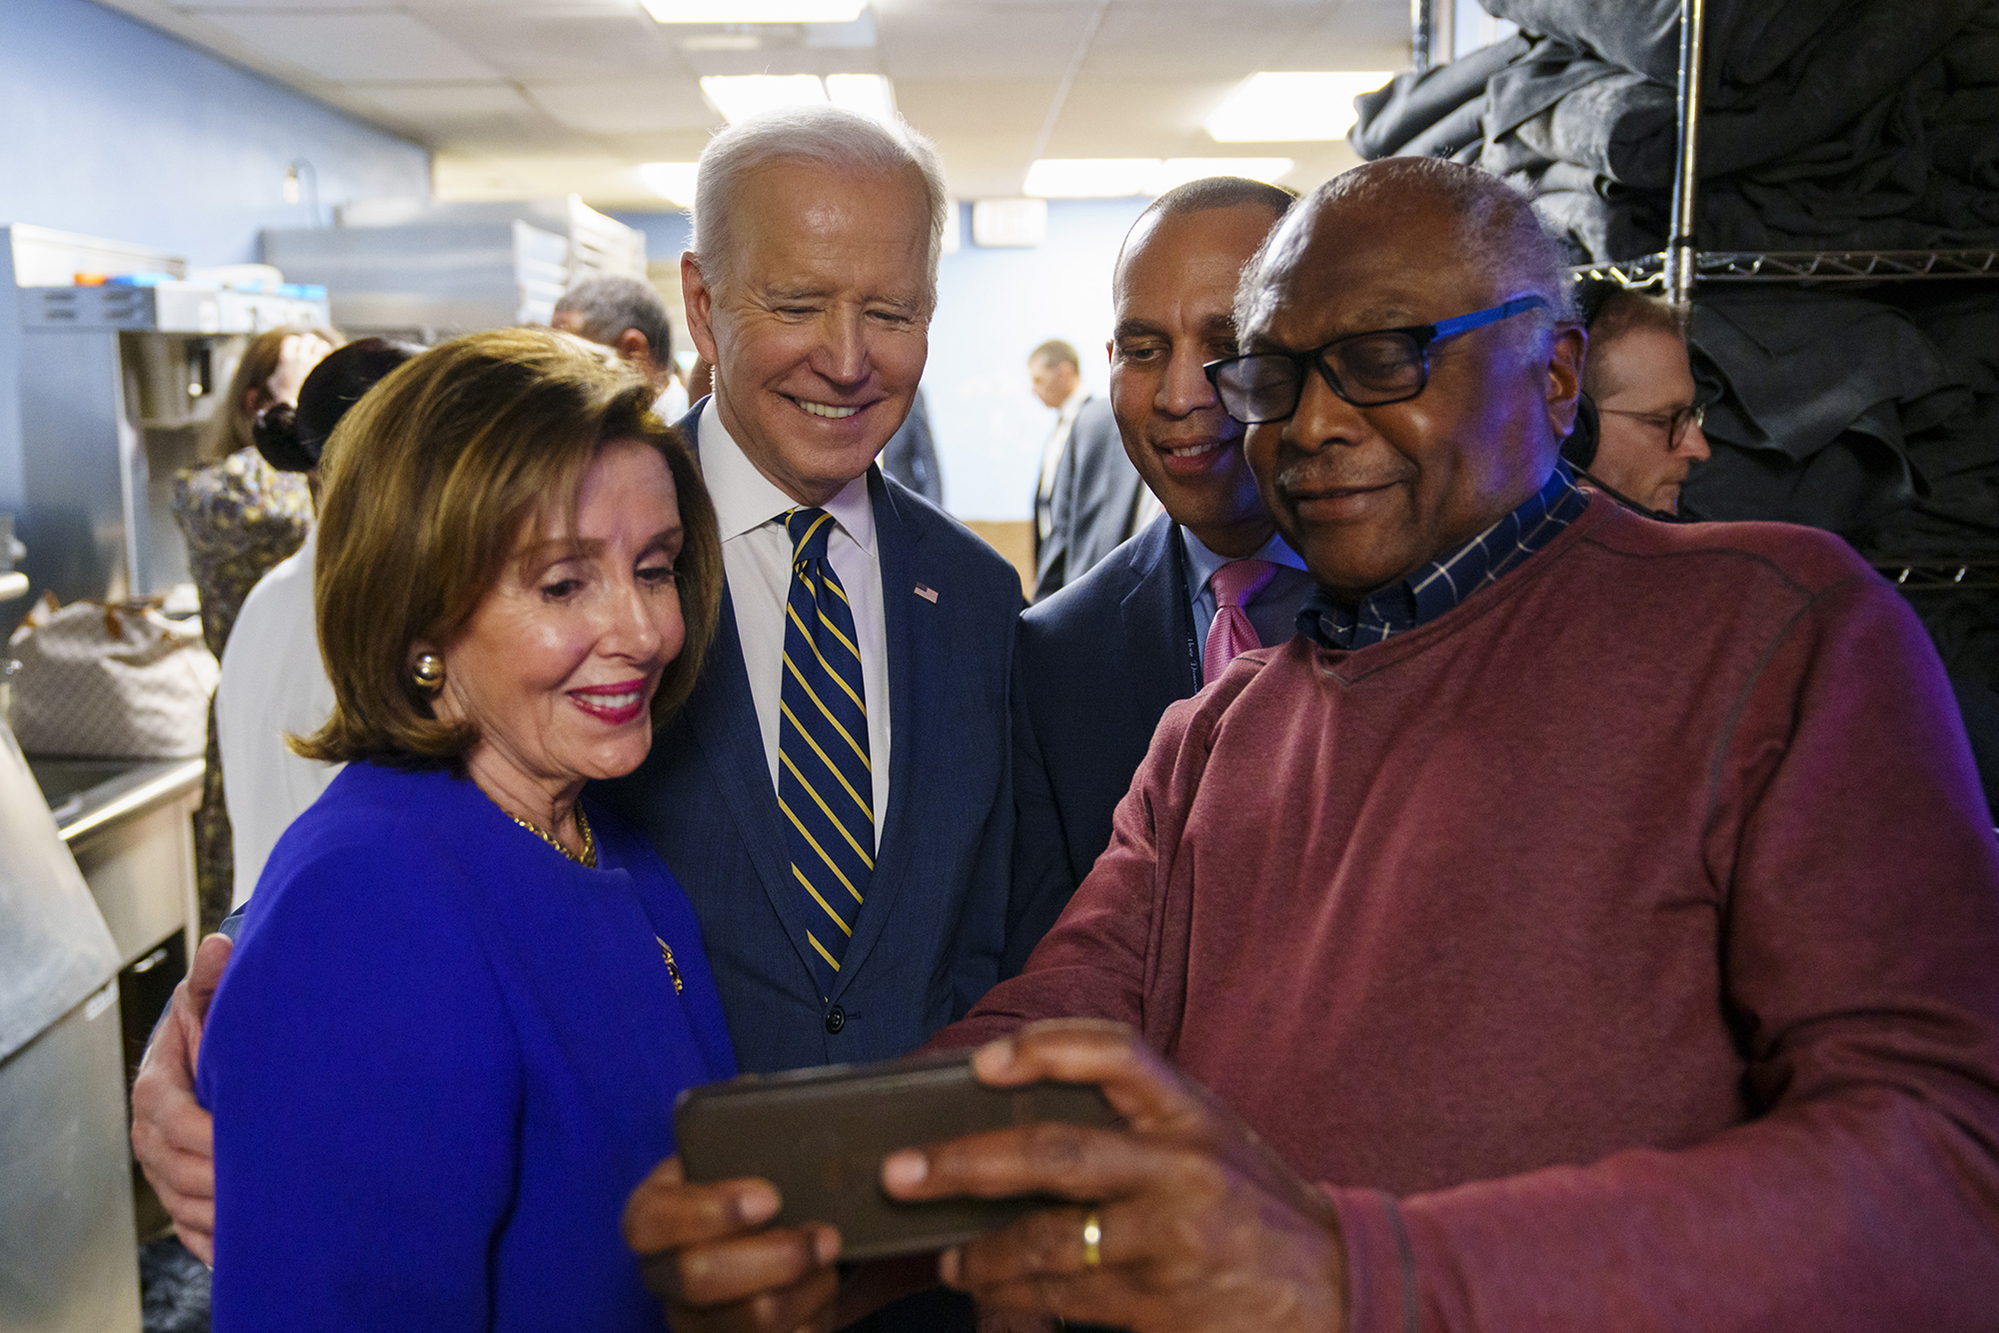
column 809, row 529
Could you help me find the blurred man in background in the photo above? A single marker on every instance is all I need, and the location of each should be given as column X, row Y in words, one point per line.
column 1083, row 500
column 628, row 317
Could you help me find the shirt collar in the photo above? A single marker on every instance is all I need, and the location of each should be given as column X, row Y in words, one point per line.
column 1448, row 580
column 1202, row 562
column 745, row 499
column 1073, row 403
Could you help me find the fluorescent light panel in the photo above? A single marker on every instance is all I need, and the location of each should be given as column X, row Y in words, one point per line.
column 1179, row 170
column 1117, row 177
column 738, row 97
column 754, row 11
column 1292, row 107
column 1089, row 177
column 866, row 94
column 673, row 181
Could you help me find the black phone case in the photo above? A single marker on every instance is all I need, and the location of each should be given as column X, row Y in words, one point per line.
column 820, row 1136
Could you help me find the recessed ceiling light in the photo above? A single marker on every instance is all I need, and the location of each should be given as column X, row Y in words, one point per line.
column 738, row 97
column 672, row 181
column 1179, row 170
column 1089, row 177
column 754, row 11
column 868, row 94
column 721, row 41
column 1277, row 108
column 1116, row 177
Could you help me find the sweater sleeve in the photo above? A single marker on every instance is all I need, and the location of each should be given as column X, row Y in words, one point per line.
column 362, row 1072
column 1860, row 891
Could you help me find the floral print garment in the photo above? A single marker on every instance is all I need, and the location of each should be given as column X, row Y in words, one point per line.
column 239, row 517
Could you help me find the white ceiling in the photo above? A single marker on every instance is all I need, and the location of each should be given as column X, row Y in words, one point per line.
column 526, row 98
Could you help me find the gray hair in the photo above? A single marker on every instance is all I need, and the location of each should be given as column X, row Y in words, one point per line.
column 1496, row 229
column 826, row 135
column 607, row 305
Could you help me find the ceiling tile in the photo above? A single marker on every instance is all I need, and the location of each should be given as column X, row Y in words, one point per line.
column 626, row 106
column 368, row 45
column 523, row 98
column 948, row 106
column 526, row 45
column 947, row 43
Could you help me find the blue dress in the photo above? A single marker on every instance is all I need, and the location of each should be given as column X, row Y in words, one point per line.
column 441, row 1057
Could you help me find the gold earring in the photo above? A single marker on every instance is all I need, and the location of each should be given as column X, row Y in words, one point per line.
column 428, row 671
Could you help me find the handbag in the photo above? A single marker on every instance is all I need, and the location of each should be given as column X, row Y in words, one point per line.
column 110, row 680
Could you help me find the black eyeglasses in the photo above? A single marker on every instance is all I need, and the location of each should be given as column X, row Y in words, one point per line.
column 1674, row 422
column 1369, row 369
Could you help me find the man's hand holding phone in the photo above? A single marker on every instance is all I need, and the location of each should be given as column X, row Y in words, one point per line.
column 1129, row 1224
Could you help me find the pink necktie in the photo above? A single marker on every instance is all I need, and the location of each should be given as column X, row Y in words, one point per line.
column 1236, row 584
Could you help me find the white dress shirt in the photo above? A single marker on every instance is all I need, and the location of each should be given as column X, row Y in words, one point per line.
column 672, row 404
column 1051, row 458
column 273, row 683
column 756, row 556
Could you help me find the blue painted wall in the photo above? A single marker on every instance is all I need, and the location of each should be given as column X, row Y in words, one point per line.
column 113, row 129
column 993, row 308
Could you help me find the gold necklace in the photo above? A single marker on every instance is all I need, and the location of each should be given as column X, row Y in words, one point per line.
column 589, row 856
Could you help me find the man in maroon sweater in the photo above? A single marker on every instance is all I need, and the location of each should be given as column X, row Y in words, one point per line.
column 1601, row 915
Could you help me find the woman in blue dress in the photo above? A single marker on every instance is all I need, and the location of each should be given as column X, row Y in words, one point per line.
column 463, row 1000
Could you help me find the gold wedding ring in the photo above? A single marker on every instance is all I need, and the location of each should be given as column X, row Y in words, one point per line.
column 1093, row 1236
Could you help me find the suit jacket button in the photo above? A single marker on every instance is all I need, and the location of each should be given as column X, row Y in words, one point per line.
column 836, row 1018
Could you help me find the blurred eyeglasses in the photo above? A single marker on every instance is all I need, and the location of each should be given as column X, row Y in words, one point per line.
column 1674, row 423
column 1369, row 369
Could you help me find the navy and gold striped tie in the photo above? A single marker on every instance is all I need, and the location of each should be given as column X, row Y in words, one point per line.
column 824, row 783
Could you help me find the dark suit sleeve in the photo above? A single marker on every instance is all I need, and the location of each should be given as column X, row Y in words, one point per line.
column 1041, row 880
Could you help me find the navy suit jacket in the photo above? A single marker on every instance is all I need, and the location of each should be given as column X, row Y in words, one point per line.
column 1095, row 667
column 928, row 939
column 1094, row 493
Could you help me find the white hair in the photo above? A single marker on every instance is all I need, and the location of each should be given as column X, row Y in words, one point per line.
column 826, row 135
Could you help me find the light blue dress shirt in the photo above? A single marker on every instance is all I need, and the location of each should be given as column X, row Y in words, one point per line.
column 1273, row 612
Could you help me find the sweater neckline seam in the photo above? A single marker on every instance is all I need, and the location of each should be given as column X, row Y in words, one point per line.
column 1393, row 650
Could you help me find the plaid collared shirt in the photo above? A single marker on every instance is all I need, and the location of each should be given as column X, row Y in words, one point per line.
column 1442, row 584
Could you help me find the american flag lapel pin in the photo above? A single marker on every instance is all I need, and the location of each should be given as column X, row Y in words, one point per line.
column 927, row 593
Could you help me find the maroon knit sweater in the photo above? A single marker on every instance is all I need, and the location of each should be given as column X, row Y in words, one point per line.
column 1621, row 948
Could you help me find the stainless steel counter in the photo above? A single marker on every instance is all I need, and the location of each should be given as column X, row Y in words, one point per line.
column 67, row 1230
column 127, row 824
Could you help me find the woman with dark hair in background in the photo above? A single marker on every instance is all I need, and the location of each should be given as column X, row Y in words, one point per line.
column 465, row 995
column 273, row 683
column 239, row 517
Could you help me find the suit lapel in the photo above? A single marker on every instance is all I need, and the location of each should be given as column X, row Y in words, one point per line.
column 1162, row 659
column 916, row 663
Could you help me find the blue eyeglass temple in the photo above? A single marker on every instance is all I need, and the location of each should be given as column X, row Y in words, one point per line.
column 1478, row 319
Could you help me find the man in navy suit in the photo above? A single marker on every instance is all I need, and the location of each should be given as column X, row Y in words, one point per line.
column 809, row 287
column 1099, row 661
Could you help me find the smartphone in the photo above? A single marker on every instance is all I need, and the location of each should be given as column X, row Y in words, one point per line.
column 820, row 1135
